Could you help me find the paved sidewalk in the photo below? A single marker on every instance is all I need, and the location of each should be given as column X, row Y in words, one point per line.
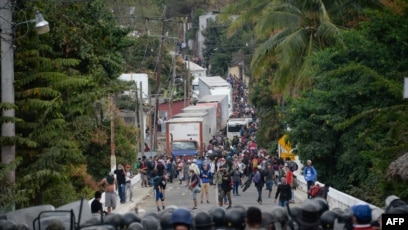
column 139, row 194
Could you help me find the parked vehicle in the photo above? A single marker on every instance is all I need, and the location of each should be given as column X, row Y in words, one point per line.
column 220, row 102
column 211, row 113
column 215, row 85
column 234, row 125
column 187, row 136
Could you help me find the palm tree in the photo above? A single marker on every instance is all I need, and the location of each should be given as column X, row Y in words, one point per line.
column 289, row 31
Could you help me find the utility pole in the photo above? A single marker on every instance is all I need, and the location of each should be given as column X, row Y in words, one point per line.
column 158, row 72
column 137, row 118
column 112, row 138
column 8, row 127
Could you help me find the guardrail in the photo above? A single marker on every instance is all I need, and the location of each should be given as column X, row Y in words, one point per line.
column 335, row 198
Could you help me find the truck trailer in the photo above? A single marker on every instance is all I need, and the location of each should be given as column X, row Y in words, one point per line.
column 187, row 136
column 221, row 104
column 215, row 85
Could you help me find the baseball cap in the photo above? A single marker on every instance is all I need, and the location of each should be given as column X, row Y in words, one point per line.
column 362, row 211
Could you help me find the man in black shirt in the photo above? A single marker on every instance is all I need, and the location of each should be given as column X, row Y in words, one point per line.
column 120, row 177
column 96, row 205
column 284, row 192
column 159, row 186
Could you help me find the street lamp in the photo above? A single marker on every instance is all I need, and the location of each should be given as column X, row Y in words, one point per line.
column 8, row 132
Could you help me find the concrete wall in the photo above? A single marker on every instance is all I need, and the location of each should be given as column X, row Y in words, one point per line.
column 335, row 198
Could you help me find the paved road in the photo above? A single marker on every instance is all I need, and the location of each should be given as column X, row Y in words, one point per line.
column 180, row 196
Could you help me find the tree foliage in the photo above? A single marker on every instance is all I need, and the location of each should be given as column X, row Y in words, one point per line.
column 352, row 123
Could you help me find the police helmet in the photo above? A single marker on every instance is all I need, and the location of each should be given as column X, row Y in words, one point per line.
column 116, row 220
column 129, row 218
column 7, row 224
column 235, row 218
column 203, row 220
column 150, row 222
column 327, row 219
column 165, row 220
column 182, row 216
column 324, row 205
column 135, row 226
column 309, row 215
column 218, row 215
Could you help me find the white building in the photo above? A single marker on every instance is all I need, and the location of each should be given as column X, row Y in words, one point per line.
column 203, row 20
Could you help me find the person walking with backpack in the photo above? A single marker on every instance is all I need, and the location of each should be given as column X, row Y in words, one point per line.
column 310, row 175
column 259, row 181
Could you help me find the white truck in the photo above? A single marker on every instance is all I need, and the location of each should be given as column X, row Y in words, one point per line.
column 215, row 85
column 222, row 111
column 187, row 136
column 211, row 115
column 234, row 125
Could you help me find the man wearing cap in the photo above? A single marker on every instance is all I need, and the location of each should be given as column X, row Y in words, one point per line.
column 361, row 217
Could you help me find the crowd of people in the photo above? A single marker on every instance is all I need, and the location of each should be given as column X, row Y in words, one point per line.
column 230, row 165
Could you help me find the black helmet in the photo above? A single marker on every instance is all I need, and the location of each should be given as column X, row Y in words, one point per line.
column 393, row 202
column 98, row 227
column 135, row 226
column 267, row 219
column 280, row 214
column 235, row 218
column 203, row 220
column 309, row 215
column 165, row 220
column 116, row 220
column 218, row 216
column 7, row 224
column 152, row 214
column 150, row 223
column 327, row 219
column 129, row 218
column 344, row 216
column 324, row 205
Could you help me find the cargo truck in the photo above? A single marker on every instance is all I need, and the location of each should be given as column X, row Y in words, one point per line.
column 211, row 113
column 215, row 85
column 221, row 104
column 234, row 125
column 187, row 136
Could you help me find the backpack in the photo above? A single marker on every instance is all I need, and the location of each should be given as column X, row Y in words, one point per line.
column 257, row 177
column 254, row 164
column 314, row 190
column 293, row 166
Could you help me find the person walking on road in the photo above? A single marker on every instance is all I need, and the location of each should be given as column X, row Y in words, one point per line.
column 194, row 186
column 310, row 175
column 159, row 185
column 205, row 176
column 129, row 186
column 108, row 183
column 284, row 192
column 236, row 180
column 269, row 178
column 259, row 180
column 225, row 187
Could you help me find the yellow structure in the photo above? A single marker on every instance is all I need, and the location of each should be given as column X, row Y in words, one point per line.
column 284, row 148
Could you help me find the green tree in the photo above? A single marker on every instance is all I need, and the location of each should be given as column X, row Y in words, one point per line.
column 59, row 77
column 340, row 123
